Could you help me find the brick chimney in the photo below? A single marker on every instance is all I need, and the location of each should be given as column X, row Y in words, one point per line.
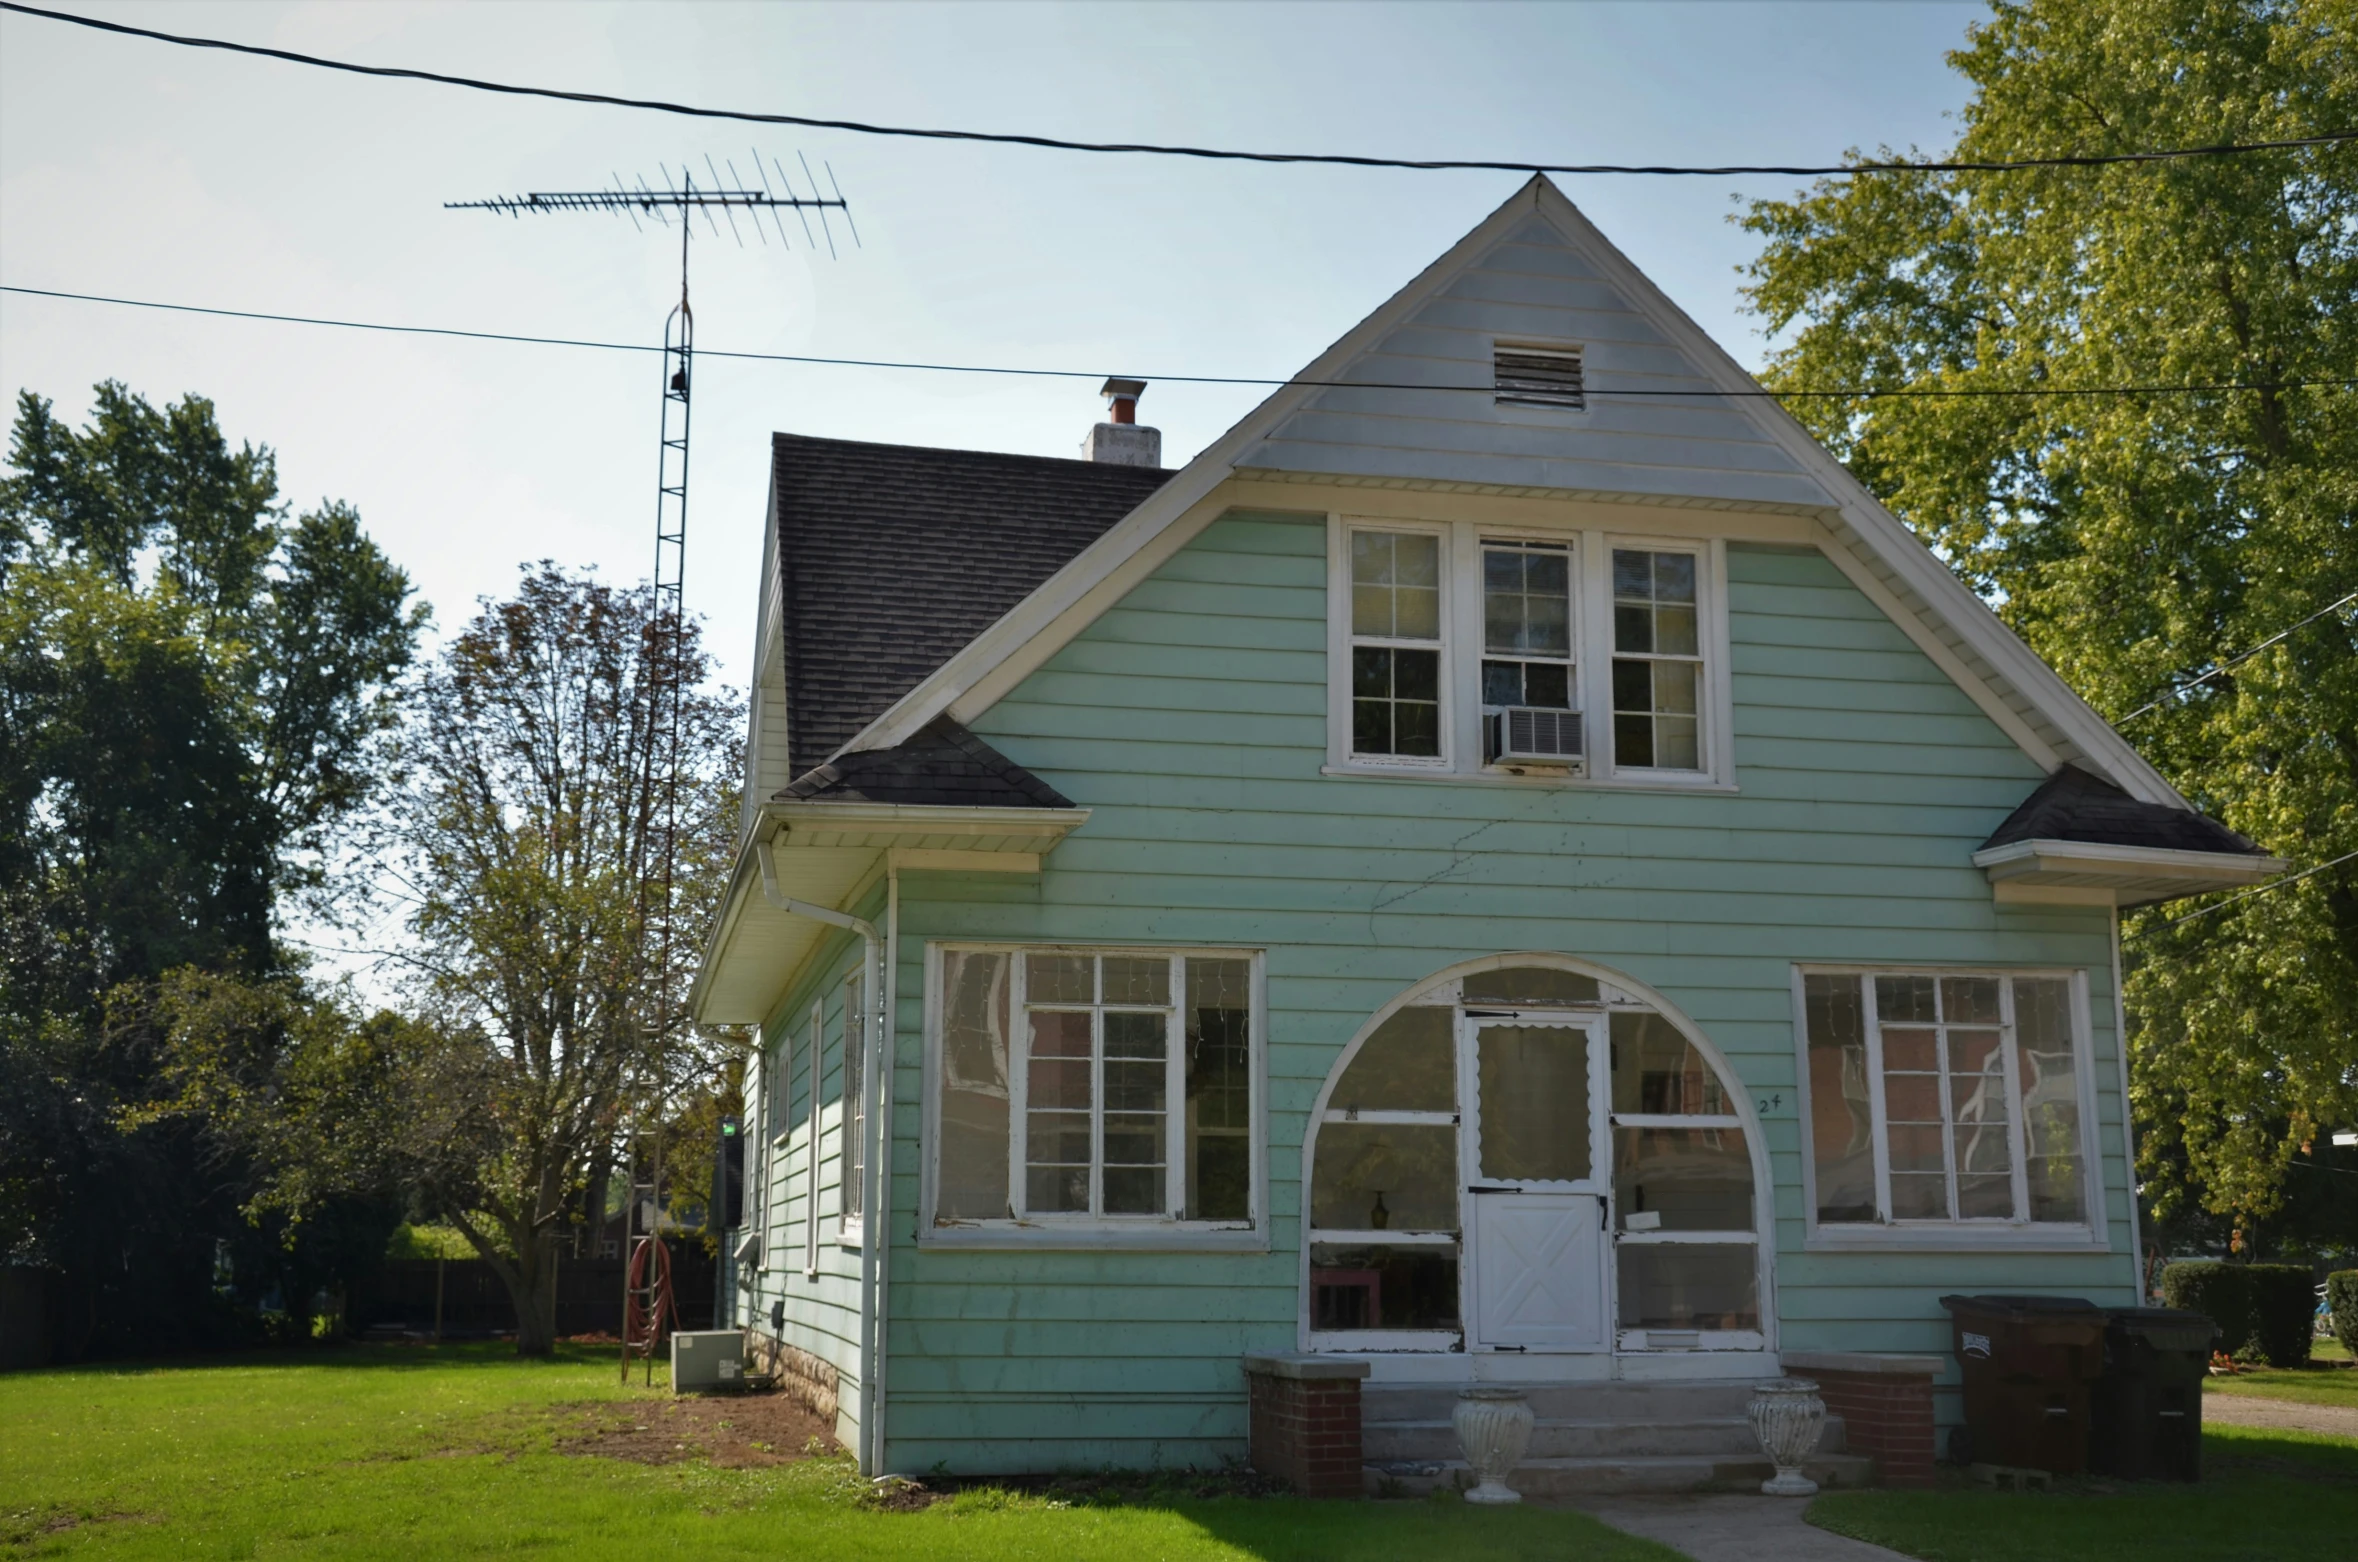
column 1124, row 441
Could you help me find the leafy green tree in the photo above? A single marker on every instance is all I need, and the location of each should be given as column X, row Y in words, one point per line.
column 2138, row 540
column 535, row 803
column 195, row 687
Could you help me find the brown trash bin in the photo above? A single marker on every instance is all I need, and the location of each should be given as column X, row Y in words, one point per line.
column 2028, row 1363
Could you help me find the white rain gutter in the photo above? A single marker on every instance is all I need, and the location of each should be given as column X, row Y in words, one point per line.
column 871, row 1252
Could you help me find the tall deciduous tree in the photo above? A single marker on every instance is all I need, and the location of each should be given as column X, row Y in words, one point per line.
column 193, row 686
column 2137, row 540
column 532, row 815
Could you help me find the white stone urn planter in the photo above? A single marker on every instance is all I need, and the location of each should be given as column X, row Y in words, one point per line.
column 1787, row 1417
column 1493, row 1427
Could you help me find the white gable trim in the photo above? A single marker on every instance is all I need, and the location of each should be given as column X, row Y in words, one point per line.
column 1070, row 600
column 1993, row 666
column 1882, row 537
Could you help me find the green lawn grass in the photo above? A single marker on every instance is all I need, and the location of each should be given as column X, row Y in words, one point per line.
column 2264, row 1495
column 2324, row 1384
column 408, row 1454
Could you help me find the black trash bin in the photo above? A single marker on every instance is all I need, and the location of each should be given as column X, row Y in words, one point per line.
column 2147, row 1413
column 2028, row 1363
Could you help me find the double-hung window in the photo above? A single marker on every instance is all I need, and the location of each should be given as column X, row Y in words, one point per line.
column 1396, row 645
column 1527, row 653
column 1946, row 1099
column 1657, row 661
column 1105, row 1090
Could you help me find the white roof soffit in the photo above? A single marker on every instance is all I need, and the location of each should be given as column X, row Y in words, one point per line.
column 828, row 854
column 2052, row 722
column 2093, row 873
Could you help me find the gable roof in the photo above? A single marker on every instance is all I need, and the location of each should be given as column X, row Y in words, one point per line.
column 943, row 766
column 1758, row 457
column 2072, row 805
column 892, row 558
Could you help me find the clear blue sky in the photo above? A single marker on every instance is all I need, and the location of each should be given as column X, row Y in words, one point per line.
column 133, row 168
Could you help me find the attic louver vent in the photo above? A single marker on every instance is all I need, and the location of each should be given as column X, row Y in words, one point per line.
column 1529, row 377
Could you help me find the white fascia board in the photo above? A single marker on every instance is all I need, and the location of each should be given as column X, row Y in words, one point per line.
column 2019, row 857
column 1068, row 601
column 927, row 819
column 1881, row 532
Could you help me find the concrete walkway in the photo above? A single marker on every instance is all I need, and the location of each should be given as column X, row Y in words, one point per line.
column 1714, row 1527
column 2279, row 1415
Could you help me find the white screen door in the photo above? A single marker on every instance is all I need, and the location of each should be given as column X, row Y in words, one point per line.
column 1534, row 1140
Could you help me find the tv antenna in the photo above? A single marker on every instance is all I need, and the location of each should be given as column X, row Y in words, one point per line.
column 647, row 1308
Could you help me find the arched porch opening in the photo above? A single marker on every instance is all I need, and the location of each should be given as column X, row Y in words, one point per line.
column 1535, row 1154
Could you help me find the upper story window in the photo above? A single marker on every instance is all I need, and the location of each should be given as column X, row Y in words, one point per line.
column 1946, row 1099
column 1396, row 644
column 1094, row 1093
column 1464, row 649
column 1657, row 661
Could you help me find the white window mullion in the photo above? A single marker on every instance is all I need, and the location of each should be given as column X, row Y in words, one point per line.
column 1948, row 1123
column 1881, row 1136
column 2017, row 1131
column 1097, row 1106
column 1019, row 1073
column 1461, row 656
column 1175, row 1096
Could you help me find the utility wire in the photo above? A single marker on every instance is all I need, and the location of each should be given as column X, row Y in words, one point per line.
column 1219, row 154
column 1752, row 393
column 2272, row 884
column 2232, row 662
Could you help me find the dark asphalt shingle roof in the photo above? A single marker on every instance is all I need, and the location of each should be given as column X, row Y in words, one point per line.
column 2072, row 805
column 894, row 557
column 944, row 765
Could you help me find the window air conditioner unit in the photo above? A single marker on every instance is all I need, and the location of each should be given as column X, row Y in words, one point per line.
column 1527, row 735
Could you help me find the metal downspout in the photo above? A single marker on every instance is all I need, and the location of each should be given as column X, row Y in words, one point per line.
column 871, row 1269
column 876, row 1230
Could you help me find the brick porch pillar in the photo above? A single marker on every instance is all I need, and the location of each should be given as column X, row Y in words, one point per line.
column 1305, row 1422
column 1886, row 1407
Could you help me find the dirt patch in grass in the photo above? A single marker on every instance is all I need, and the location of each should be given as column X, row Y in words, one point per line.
column 735, row 1431
column 22, row 1528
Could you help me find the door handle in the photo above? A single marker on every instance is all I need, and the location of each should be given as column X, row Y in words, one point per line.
column 1478, row 1188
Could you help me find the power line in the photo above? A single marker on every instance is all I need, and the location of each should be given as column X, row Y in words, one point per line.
column 1752, row 393
column 2272, row 884
column 1218, row 154
column 2233, row 661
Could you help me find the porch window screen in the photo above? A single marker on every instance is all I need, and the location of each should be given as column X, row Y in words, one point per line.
column 1949, row 1097
column 1079, row 1085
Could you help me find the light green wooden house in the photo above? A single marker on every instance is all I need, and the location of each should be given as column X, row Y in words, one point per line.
column 1510, row 866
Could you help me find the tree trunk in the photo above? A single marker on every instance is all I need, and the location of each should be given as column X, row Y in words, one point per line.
column 531, row 1279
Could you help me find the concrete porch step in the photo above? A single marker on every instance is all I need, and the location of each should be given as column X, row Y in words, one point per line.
column 1703, row 1399
column 1392, row 1441
column 1612, row 1476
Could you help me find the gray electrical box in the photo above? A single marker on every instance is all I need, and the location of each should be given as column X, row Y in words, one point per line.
column 707, row 1359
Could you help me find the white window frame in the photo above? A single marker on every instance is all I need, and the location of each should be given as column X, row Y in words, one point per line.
column 1342, row 639
column 1062, row 1230
column 1463, row 752
column 2091, row 1235
column 850, row 1156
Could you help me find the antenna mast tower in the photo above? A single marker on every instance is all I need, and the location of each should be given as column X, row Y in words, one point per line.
column 647, row 1310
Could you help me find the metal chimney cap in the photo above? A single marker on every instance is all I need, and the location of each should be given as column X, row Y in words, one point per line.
column 1130, row 388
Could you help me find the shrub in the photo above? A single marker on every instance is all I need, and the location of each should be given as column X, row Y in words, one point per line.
column 2341, row 1294
column 2284, row 1313
column 2220, row 1292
